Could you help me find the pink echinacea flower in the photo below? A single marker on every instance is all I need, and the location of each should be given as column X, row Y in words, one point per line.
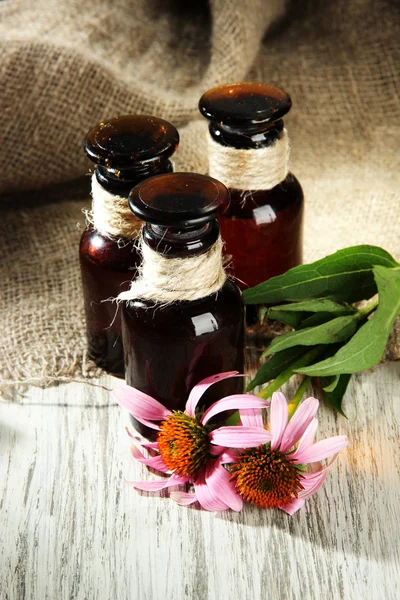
column 286, row 471
column 189, row 447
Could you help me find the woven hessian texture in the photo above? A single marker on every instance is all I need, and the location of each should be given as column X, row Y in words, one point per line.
column 65, row 65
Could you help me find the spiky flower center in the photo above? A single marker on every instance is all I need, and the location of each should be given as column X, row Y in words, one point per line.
column 266, row 477
column 183, row 443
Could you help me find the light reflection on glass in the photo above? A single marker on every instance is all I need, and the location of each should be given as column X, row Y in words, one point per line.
column 264, row 214
column 205, row 323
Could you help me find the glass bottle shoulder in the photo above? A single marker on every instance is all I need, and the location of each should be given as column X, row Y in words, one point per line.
column 98, row 249
column 188, row 318
column 248, row 203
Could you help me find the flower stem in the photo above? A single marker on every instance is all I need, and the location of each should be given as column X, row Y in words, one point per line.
column 304, row 360
column 368, row 309
column 293, row 404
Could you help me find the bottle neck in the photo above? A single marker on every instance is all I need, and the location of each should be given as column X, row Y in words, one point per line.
column 121, row 182
column 174, row 243
column 165, row 278
column 257, row 135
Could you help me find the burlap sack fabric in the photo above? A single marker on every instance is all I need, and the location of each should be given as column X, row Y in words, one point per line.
column 65, row 65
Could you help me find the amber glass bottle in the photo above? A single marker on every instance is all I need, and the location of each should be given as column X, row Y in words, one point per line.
column 126, row 150
column 262, row 228
column 172, row 345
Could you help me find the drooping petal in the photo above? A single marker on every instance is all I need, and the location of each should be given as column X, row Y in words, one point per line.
column 216, row 450
column 155, row 486
column 205, row 497
column 138, row 443
column 234, row 402
column 299, row 423
column 202, row 386
column 315, row 469
column 149, row 424
column 240, row 437
column 251, row 417
column 311, row 490
column 219, row 481
column 278, row 418
column 293, row 506
column 320, row 450
column 308, row 484
column 228, row 456
column 154, row 462
column 139, row 404
column 150, row 445
column 183, row 498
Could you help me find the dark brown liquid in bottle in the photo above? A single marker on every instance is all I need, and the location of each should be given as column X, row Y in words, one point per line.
column 171, row 348
column 107, row 270
column 127, row 150
column 262, row 229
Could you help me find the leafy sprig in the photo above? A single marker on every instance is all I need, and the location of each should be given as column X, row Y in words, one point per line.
column 331, row 338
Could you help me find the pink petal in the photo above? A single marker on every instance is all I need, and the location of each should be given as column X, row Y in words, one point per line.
column 228, row 456
column 221, row 487
column 215, row 451
column 310, row 490
column 183, row 498
column 139, row 404
column 202, row 386
column 204, row 495
column 320, row 450
column 251, row 417
column 139, row 443
column 149, row 424
column 233, row 403
column 309, row 484
column 240, row 437
column 155, row 462
column 315, row 469
column 154, row 486
column 291, row 507
column 308, row 436
column 278, row 418
column 299, row 423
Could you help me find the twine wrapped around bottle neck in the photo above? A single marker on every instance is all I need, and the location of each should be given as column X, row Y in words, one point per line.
column 250, row 169
column 166, row 280
column 111, row 215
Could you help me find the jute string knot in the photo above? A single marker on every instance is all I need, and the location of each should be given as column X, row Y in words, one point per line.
column 166, row 280
column 250, row 169
column 111, row 215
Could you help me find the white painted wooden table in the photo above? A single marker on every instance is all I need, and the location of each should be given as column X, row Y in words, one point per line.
column 72, row 529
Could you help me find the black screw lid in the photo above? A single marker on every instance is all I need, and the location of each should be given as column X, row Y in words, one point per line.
column 179, row 200
column 122, row 142
column 241, row 104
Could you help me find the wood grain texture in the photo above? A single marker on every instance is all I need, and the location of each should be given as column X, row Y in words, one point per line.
column 71, row 528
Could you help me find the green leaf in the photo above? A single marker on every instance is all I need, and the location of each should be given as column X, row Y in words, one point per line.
column 233, row 419
column 261, row 315
column 345, row 275
column 334, row 398
column 336, row 330
column 292, row 319
column 274, row 366
column 316, row 319
column 316, row 306
column 367, row 346
column 304, row 359
column 330, row 383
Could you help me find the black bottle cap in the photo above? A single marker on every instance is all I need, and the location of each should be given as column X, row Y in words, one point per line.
column 179, row 200
column 121, row 143
column 241, row 104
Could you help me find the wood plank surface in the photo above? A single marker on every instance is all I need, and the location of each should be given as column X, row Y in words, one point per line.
column 72, row 529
